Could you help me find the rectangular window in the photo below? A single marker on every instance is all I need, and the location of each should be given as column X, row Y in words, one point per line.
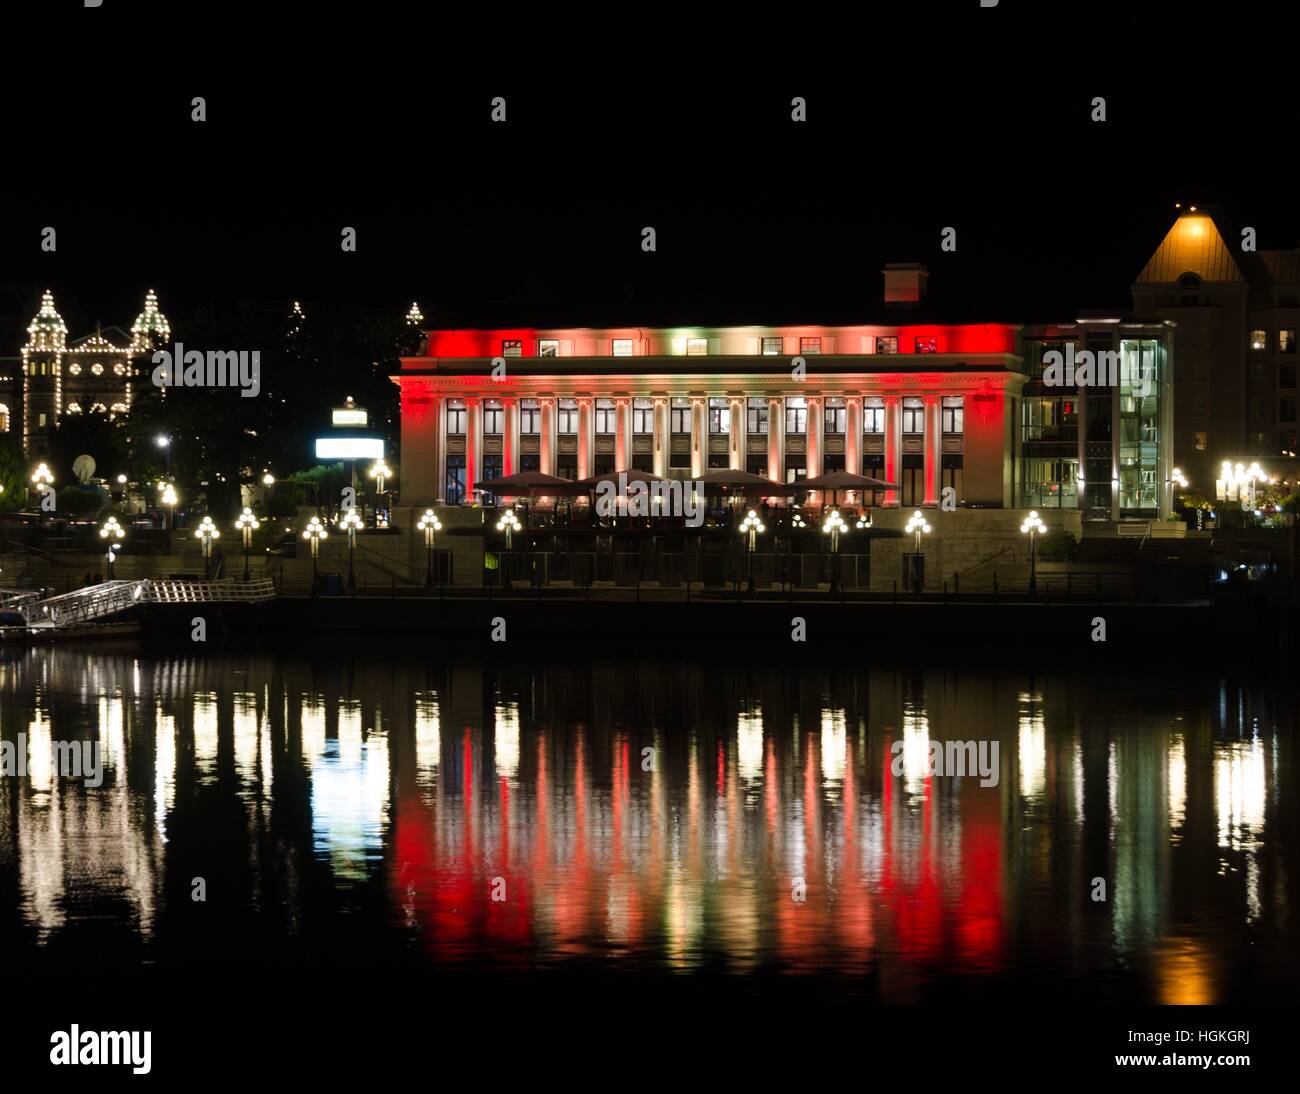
column 530, row 416
column 566, row 416
column 756, row 415
column 548, row 347
column 834, row 417
column 1286, row 340
column 681, row 417
column 756, row 464
column 796, row 468
column 455, row 417
column 606, row 416
column 1259, row 339
column 512, row 347
column 773, row 346
column 927, row 345
column 1286, row 410
column 810, row 346
column 873, row 416
column 719, row 416
column 454, row 489
column 1286, row 375
column 697, row 347
column 913, row 415
column 566, row 466
column 491, row 467
column 605, row 463
column 493, row 419
column 643, row 416
column 1202, row 441
column 644, row 461
column 622, row 347
column 796, row 415
column 887, row 344
column 530, row 463
column 953, row 414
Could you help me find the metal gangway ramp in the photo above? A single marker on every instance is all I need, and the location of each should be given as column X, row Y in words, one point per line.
column 109, row 598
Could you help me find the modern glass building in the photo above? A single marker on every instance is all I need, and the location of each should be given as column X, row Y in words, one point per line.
column 1096, row 418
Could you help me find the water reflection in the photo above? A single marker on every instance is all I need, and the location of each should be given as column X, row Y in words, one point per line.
column 660, row 817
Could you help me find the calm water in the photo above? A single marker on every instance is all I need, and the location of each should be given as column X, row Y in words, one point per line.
column 354, row 811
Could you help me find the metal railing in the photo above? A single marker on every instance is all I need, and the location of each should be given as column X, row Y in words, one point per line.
column 112, row 597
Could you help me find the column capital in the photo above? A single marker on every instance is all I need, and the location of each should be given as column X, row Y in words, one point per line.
column 852, row 400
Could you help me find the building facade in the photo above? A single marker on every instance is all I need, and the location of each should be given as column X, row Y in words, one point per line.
column 94, row 373
column 1236, row 313
column 923, row 406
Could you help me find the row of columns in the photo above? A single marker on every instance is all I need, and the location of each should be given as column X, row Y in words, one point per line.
column 814, row 437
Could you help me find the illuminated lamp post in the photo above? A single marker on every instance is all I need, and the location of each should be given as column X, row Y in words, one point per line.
column 206, row 532
column 246, row 522
column 111, row 531
column 350, row 522
column 834, row 527
column 430, row 525
column 43, row 480
column 917, row 526
column 314, row 533
column 509, row 523
column 750, row 528
column 1034, row 527
column 169, row 499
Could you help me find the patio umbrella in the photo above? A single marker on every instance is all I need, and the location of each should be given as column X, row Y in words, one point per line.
column 531, row 484
column 630, row 475
column 734, row 481
column 835, row 481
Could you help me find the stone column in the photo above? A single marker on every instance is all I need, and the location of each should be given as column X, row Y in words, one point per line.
column 933, row 450
column 622, row 434
column 661, row 442
column 473, row 443
column 853, row 435
column 547, row 439
column 509, row 436
column 816, row 422
column 699, row 437
column 586, row 438
column 739, row 444
column 776, row 439
column 893, row 447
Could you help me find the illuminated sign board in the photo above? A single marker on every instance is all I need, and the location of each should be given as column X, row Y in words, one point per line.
column 349, row 416
column 349, row 448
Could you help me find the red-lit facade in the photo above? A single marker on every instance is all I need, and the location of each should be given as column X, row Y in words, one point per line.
column 926, row 406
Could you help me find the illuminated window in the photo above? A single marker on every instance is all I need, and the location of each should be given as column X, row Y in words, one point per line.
column 873, row 416
column 455, row 417
column 773, row 346
column 796, row 415
column 493, row 420
column 913, row 415
column 719, row 416
column 530, row 416
column 1286, row 340
column 643, row 416
column 834, row 416
column 566, row 416
column 953, row 414
column 757, row 417
column 1259, row 339
column 887, row 344
column 4, row 418
column 697, row 347
column 548, row 347
column 927, row 345
column 681, row 416
column 512, row 347
column 622, row 347
column 606, row 416
column 810, row 346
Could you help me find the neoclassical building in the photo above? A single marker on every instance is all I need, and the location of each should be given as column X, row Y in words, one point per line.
column 93, row 373
column 925, row 406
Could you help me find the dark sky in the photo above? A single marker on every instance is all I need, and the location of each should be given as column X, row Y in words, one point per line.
column 947, row 119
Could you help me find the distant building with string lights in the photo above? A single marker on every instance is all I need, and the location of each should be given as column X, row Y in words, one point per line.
column 94, row 373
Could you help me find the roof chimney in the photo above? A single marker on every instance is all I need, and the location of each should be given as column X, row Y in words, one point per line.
column 904, row 284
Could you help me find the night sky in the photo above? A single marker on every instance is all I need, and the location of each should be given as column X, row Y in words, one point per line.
column 914, row 126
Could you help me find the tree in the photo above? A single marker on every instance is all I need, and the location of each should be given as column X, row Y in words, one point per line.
column 13, row 474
